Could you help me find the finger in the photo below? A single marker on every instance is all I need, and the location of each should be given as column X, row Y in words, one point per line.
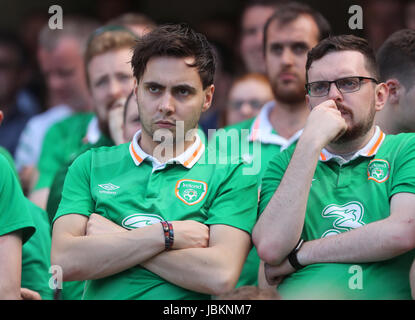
column 329, row 104
column 28, row 294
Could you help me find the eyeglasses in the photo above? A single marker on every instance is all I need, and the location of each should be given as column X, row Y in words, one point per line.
column 345, row 85
column 254, row 103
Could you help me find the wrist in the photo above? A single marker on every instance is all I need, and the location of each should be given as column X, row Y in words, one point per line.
column 302, row 255
column 313, row 145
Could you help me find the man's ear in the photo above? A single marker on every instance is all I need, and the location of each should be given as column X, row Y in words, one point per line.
column 381, row 98
column 395, row 91
column 209, row 91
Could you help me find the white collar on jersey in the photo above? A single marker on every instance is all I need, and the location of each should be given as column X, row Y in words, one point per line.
column 261, row 129
column 188, row 158
column 368, row 150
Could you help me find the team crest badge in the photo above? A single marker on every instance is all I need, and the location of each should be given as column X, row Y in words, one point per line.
column 378, row 170
column 190, row 191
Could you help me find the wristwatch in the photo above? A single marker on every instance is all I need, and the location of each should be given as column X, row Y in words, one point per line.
column 292, row 257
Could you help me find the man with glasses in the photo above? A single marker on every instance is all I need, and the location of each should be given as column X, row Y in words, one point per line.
column 288, row 35
column 338, row 210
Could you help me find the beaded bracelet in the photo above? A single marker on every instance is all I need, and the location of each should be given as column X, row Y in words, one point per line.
column 168, row 234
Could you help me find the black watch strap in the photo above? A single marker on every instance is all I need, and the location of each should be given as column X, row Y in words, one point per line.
column 292, row 257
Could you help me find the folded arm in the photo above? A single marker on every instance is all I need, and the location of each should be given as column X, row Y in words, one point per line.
column 376, row 241
column 213, row 270
column 84, row 257
column 95, row 247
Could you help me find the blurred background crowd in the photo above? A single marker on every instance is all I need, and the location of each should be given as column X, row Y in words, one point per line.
column 41, row 72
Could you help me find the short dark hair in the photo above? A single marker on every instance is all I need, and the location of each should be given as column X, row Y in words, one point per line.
column 396, row 57
column 344, row 43
column 175, row 40
column 288, row 12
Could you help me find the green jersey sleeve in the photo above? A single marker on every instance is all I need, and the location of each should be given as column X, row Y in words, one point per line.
column 273, row 176
column 14, row 214
column 236, row 200
column 404, row 170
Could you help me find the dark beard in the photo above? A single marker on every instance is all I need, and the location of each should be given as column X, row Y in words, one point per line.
column 358, row 130
column 291, row 97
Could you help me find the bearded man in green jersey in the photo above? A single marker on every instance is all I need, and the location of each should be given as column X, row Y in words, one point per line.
column 289, row 34
column 152, row 219
column 337, row 211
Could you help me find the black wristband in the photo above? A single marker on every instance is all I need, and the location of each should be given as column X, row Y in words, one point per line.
column 292, row 257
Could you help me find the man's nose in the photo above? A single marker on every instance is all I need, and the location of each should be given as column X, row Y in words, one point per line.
column 246, row 109
column 115, row 88
column 334, row 92
column 287, row 56
column 167, row 103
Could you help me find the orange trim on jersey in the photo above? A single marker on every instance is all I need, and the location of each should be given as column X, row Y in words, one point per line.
column 322, row 156
column 374, row 148
column 137, row 157
column 187, row 162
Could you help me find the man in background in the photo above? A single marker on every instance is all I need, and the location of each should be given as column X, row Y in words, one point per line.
column 60, row 56
column 396, row 58
column 109, row 78
column 254, row 16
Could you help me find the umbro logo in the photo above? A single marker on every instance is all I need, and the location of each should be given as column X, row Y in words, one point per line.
column 108, row 188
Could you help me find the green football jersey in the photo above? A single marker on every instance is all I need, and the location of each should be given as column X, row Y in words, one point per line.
column 35, row 251
column 36, row 254
column 61, row 144
column 10, row 160
column 345, row 195
column 14, row 215
column 133, row 189
column 257, row 142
